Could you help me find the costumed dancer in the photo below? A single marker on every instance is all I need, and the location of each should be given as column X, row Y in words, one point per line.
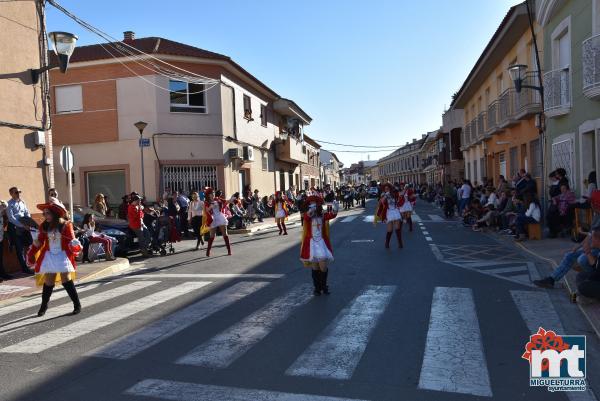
column 316, row 251
column 280, row 208
column 410, row 199
column 388, row 211
column 53, row 253
column 216, row 213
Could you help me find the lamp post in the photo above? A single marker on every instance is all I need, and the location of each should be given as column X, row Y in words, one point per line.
column 140, row 125
column 63, row 44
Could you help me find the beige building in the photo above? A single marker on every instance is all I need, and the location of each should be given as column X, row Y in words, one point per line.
column 227, row 131
column 310, row 171
column 404, row 164
column 331, row 167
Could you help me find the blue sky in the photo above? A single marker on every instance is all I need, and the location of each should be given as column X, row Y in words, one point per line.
column 369, row 73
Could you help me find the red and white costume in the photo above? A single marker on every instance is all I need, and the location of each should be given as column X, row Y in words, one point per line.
column 215, row 214
column 316, row 245
column 389, row 208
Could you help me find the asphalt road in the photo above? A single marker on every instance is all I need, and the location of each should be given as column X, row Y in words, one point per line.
column 445, row 318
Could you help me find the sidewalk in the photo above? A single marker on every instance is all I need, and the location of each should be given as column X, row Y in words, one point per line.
column 21, row 285
column 552, row 251
column 268, row 223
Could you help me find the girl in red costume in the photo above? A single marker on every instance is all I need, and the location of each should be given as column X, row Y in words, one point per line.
column 216, row 213
column 53, row 253
column 410, row 199
column 388, row 211
column 316, row 251
column 281, row 212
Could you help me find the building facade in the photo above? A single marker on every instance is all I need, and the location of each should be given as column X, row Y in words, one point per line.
column 499, row 134
column 571, row 86
column 310, row 171
column 26, row 150
column 233, row 133
column 331, row 167
column 404, row 164
column 453, row 121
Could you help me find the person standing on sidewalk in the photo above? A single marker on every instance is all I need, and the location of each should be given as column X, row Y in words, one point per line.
column 464, row 196
column 135, row 216
column 16, row 211
column 3, row 274
column 195, row 210
column 184, row 204
column 316, row 251
column 53, row 254
column 578, row 253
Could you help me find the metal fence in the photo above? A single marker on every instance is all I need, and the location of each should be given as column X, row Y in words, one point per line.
column 184, row 178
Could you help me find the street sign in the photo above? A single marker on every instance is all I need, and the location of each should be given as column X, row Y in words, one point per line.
column 66, row 159
column 144, row 142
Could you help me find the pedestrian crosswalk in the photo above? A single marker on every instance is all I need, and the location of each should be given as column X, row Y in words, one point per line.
column 453, row 358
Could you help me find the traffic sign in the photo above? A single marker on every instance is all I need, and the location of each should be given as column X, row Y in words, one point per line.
column 66, row 159
column 144, row 142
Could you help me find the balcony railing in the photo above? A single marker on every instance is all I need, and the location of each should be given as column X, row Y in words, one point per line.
column 591, row 67
column 481, row 122
column 529, row 101
column 492, row 118
column 557, row 92
column 466, row 139
column 506, row 107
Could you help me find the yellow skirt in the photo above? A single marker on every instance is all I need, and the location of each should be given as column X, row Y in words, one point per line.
column 40, row 278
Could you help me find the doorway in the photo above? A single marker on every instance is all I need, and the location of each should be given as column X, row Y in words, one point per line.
column 243, row 180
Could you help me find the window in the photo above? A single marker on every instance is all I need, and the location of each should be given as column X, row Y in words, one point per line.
column 247, row 107
column 263, row 115
column 68, row 99
column 187, row 97
column 110, row 183
column 265, row 160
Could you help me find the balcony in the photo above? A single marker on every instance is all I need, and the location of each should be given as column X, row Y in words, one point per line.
column 466, row 137
column 506, row 108
column 492, row 119
column 591, row 67
column 529, row 101
column 557, row 92
column 291, row 150
column 481, row 121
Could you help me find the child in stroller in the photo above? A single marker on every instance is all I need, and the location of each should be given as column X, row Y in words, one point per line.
column 165, row 233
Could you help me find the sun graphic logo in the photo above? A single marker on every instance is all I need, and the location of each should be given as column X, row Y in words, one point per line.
column 556, row 361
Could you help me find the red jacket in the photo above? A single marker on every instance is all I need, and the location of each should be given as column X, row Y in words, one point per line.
column 307, row 235
column 67, row 235
column 135, row 216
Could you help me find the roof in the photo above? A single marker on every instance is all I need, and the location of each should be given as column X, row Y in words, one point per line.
column 155, row 46
column 311, row 141
column 513, row 25
column 369, row 163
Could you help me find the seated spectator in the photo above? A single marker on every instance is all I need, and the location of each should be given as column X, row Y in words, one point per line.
column 589, row 187
column 100, row 204
column 560, row 213
column 258, row 206
column 532, row 215
column 238, row 213
column 94, row 237
column 588, row 282
column 472, row 213
column 508, row 213
column 123, row 207
column 578, row 252
column 554, row 187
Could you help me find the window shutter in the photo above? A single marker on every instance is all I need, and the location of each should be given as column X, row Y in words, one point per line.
column 68, row 99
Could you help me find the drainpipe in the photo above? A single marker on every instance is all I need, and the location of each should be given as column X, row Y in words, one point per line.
column 232, row 107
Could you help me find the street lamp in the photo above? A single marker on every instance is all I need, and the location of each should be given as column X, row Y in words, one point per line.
column 517, row 74
column 63, row 44
column 140, row 125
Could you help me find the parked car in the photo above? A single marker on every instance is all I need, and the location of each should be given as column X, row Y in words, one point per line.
column 117, row 228
column 373, row 192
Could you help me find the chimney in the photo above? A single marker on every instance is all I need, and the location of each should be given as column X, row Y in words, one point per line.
column 128, row 36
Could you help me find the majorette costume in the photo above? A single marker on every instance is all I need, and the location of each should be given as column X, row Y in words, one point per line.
column 215, row 214
column 281, row 212
column 388, row 211
column 410, row 199
column 316, row 251
column 54, row 251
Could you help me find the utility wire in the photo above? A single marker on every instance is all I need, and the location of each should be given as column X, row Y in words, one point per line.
column 356, row 151
column 392, row 147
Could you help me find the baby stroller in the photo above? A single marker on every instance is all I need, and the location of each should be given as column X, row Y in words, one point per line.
column 166, row 234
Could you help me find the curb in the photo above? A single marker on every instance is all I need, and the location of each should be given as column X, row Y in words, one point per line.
column 292, row 219
column 120, row 265
column 593, row 322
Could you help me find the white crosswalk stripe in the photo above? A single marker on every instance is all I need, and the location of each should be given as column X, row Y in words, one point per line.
column 30, row 303
column 435, row 217
column 454, row 360
column 179, row 391
column 162, row 329
column 85, row 326
column 337, row 351
column 349, row 219
column 54, row 312
column 226, row 347
column 206, row 276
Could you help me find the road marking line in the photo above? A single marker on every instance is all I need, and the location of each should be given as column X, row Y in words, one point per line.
column 369, row 219
column 435, row 217
column 36, row 301
column 363, row 240
column 54, row 312
column 337, row 351
column 90, row 324
column 537, row 311
column 180, row 391
column 349, row 218
column 146, row 337
column 226, row 347
column 416, row 218
column 425, row 232
column 9, row 289
column 508, row 270
column 206, row 276
column 453, row 327
column 429, row 238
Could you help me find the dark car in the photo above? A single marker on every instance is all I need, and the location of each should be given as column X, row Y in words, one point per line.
column 114, row 227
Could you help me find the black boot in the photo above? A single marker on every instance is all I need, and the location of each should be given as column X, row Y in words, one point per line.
column 46, row 293
column 316, row 282
column 72, row 291
column 547, row 282
column 324, row 286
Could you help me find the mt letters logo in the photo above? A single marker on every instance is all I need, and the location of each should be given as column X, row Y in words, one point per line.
column 556, row 362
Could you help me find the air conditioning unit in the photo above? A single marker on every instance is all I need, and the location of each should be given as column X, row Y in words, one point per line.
column 248, row 153
column 39, row 138
column 235, row 153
